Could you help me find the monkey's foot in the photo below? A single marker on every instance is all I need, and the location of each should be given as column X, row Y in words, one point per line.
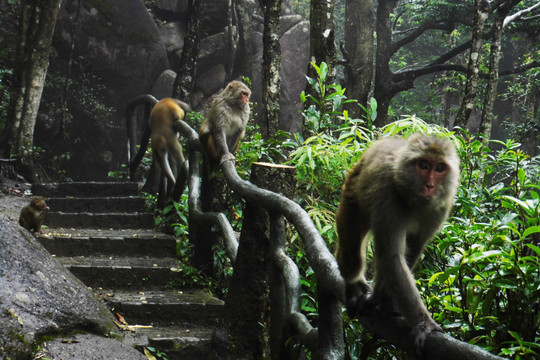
column 357, row 297
column 421, row 331
column 227, row 157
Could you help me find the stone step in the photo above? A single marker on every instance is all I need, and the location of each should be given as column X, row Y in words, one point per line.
column 54, row 219
column 178, row 342
column 97, row 204
column 124, row 242
column 102, row 234
column 125, row 272
column 186, row 308
column 86, row 189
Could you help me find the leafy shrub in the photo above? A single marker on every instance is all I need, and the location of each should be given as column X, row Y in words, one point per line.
column 483, row 271
column 480, row 278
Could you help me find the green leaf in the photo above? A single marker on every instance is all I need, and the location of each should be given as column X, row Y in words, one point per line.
column 535, row 248
column 323, row 72
column 531, row 230
column 484, row 255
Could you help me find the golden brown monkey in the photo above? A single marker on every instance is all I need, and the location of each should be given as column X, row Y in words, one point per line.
column 166, row 148
column 32, row 215
column 401, row 190
column 225, row 125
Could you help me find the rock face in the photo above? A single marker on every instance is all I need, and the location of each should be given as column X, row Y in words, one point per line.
column 87, row 346
column 119, row 50
column 117, row 55
column 38, row 297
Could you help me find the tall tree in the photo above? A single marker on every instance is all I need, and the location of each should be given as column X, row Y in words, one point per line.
column 271, row 68
column 322, row 44
column 502, row 20
column 185, row 78
column 243, row 61
column 358, row 53
column 385, row 87
column 36, row 27
column 439, row 17
column 473, row 72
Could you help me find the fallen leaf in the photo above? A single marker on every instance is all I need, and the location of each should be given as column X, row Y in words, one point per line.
column 148, row 355
column 121, row 319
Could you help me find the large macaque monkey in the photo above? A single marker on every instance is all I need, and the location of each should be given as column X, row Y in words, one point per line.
column 32, row 215
column 166, row 148
column 401, row 190
column 225, row 125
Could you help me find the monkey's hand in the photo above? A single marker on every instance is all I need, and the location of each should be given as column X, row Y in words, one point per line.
column 357, row 297
column 226, row 157
column 421, row 331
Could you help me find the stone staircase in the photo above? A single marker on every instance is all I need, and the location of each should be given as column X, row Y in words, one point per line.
column 102, row 233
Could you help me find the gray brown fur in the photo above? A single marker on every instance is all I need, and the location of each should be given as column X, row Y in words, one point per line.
column 225, row 124
column 382, row 194
column 32, row 215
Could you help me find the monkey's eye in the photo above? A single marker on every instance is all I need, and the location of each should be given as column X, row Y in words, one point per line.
column 423, row 165
column 440, row 168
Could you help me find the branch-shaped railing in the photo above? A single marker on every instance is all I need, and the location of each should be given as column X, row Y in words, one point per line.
column 286, row 288
column 196, row 215
column 326, row 341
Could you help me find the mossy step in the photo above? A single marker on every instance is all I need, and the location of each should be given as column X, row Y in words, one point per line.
column 118, row 272
column 99, row 220
column 86, row 189
column 178, row 342
column 126, row 242
column 109, row 204
column 187, row 308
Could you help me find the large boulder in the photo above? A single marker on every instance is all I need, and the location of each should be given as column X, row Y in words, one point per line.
column 38, row 297
column 117, row 55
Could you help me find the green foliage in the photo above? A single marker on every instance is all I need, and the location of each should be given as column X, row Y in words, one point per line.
column 152, row 352
column 323, row 114
column 481, row 276
column 121, row 174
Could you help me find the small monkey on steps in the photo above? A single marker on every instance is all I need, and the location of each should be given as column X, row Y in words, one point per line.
column 401, row 191
column 225, row 125
column 32, row 215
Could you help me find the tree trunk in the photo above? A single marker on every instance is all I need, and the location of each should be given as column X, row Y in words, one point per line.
column 486, row 122
column 37, row 22
column 322, row 46
column 271, row 68
column 185, row 74
column 467, row 104
column 241, row 335
column 383, row 76
column 243, row 63
column 358, row 54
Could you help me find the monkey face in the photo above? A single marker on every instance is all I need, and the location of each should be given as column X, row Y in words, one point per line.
column 430, row 173
column 243, row 99
column 39, row 204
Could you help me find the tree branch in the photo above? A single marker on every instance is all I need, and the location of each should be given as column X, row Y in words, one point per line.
column 406, row 76
column 519, row 14
column 416, row 33
column 438, row 346
column 195, row 208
